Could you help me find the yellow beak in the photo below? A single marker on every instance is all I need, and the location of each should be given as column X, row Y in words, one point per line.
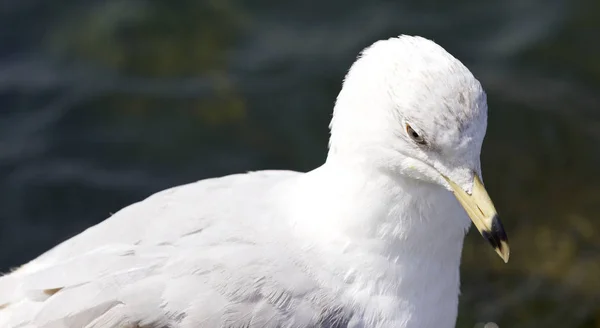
column 480, row 209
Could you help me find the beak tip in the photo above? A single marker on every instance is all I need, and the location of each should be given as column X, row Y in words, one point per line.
column 498, row 231
column 496, row 236
column 504, row 251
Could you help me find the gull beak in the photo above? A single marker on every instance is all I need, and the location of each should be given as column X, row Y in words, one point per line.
column 480, row 209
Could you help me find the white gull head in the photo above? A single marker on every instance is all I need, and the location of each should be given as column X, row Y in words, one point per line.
column 409, row 108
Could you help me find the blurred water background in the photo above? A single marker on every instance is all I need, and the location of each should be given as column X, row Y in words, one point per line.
column 104, row 102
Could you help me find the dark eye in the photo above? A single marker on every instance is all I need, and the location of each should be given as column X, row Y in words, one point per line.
column 414, row 135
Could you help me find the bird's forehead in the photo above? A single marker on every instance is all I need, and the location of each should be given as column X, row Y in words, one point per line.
column 445, row 101
column 428, row 82
column 460, row 107
column 428, row 86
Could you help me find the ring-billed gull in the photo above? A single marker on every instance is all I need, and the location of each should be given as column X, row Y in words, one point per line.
column 372, row 238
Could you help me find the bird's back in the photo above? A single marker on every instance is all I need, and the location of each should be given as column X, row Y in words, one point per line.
column 206, row 254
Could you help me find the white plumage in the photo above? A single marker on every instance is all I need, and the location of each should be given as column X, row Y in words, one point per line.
column 370, row 239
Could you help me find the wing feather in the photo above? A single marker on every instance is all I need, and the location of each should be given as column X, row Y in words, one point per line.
column 208, row 254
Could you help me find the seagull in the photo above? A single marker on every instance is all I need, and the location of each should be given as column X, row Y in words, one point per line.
column 371, row 238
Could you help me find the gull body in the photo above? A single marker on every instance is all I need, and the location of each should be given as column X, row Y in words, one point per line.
column 372, row 238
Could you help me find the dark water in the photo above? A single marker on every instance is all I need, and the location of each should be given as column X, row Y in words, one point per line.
column 105, row 102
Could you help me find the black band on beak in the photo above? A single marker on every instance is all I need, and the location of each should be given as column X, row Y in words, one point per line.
column 496, row 235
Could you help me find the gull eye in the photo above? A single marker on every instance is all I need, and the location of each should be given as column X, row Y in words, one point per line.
column 414, row 135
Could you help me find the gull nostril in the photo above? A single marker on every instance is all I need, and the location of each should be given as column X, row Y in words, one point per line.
column 480, row 211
